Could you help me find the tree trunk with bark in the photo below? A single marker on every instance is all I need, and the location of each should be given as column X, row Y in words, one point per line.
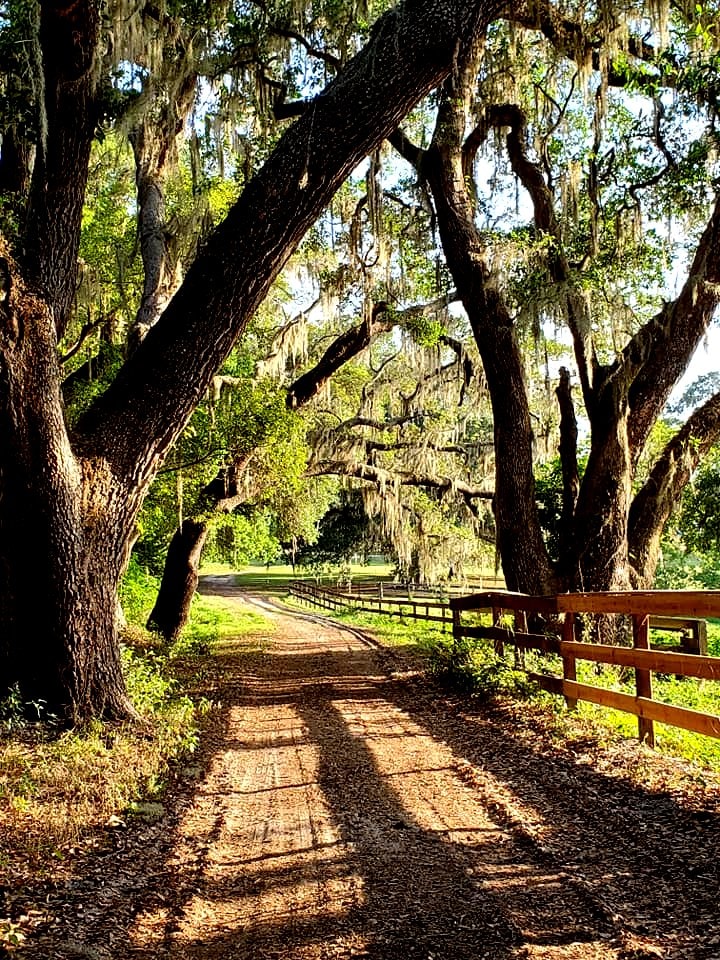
column 444, row 165
column 65, row 533
column 597, row 558
column 179, row 581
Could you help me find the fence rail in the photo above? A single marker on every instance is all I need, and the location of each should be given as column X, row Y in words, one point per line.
column 331, row 598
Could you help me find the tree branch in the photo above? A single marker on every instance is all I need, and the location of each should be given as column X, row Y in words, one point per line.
column 329, row 58
column 410, row 50
column 387, row 478
column 661, row 492
column 352, row 342
column 85, row 332
column 348, row 345
column 658, row 355
column 531, row 176
column 69, row 37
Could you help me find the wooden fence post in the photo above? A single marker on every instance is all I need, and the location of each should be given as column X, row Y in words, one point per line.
column 498, row 645
column 568, row 659
column 643, row 678
column 455, row 626
column 697, row 641
column 521, row 626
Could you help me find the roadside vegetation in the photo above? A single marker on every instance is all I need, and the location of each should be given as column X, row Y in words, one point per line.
column 58, row 786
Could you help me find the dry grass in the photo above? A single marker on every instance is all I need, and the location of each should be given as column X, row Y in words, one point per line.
column 57, row 787
column 53, row 790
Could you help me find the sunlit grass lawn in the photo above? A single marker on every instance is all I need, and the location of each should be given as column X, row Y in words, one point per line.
column 276, row 579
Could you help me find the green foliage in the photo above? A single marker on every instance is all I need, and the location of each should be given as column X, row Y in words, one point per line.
column 691, row 546
column 474, row 669
column 425, row 329
column 110, row 264
column 248, row 423
column 242, row 538
column 681, row 568
column 12, row 709
column 549, row 494
column 88, row 382
column 156, row 696
column 137, row 592
column 342, row 531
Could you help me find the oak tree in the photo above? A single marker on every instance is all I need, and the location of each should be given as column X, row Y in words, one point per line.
column 69, row 496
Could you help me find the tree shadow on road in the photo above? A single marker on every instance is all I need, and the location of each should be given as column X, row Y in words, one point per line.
column 541, row 851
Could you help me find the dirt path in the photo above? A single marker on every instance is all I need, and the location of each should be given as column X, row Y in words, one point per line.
column 348, row 812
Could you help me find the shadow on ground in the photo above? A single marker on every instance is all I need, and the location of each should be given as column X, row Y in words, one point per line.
column 564, row 856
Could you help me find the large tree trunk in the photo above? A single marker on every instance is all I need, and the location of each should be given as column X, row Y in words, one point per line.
column 179, row 581
column 598, row 555
column 523, row 554
column 64, row 535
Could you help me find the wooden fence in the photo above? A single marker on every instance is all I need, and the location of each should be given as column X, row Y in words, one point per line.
column 331, row 598
column 682, row 611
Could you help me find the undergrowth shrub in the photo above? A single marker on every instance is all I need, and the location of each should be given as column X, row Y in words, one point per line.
column 475, row 669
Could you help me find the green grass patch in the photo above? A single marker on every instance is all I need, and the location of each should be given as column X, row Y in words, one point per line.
column 394, row 631
column 276, row 578
column 218, row 618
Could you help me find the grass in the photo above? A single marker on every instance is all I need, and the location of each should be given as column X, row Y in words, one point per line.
column 275, row 579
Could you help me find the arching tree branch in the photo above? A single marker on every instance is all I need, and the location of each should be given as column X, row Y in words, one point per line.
column 387, row 478
column 661, row 492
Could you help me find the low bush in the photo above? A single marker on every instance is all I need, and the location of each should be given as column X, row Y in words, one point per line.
column 475, row 669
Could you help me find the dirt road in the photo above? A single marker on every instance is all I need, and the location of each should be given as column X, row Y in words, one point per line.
column 345, row 810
